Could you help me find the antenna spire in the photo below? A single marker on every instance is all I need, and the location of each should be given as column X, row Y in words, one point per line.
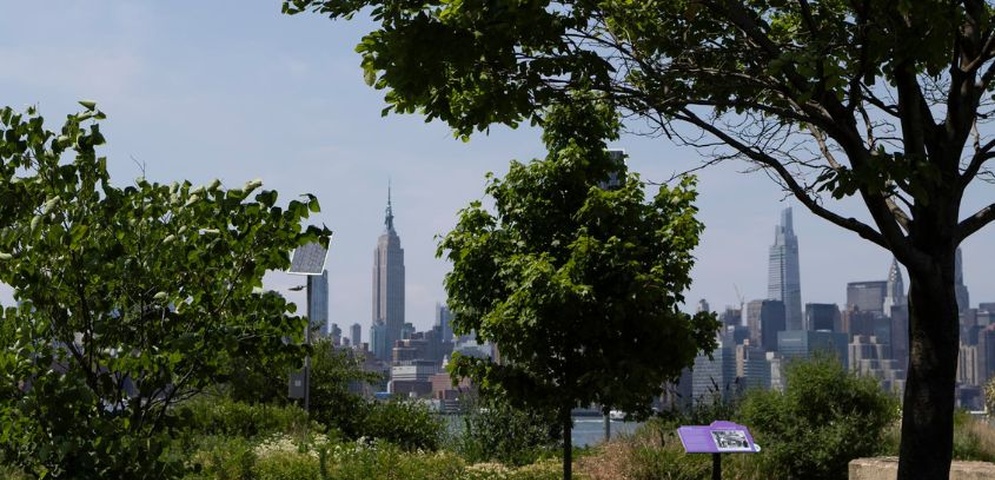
column 389, row 220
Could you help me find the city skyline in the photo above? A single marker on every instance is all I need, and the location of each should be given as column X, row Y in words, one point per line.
column 262, row 95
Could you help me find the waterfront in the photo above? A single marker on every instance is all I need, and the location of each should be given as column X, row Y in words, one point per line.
column 591, row 430
column 587, row 430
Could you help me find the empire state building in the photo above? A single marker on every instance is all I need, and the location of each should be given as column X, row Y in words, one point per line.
column 388, row 289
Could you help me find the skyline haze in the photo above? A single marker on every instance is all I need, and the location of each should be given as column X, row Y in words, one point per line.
column 237, row 91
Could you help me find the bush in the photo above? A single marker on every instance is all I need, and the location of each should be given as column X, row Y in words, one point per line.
column 222, row 458
column 408, row 425
column 209, row 415
column 494, row 430
column 825, row 417
column 974, row 439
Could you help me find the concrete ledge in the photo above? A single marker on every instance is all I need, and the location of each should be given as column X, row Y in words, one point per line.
column 886, row 468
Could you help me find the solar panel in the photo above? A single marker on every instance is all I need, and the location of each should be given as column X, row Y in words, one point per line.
column 308, row 259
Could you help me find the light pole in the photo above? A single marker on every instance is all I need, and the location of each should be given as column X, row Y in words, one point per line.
column 308, row 260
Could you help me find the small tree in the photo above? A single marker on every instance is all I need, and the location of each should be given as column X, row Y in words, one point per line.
column 825, row 417
column 130, row 300
column 575, row 278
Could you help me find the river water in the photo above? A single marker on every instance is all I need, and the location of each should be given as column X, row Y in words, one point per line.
column 591, row 430
column 587, row 430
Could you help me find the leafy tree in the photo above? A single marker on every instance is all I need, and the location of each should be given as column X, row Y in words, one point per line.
column 575, row 278
column 884, row 100
column 130, row 299
column 825, row 417
column 337, row 385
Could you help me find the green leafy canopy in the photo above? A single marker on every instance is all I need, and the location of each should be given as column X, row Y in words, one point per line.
column 575, row 277
column 129, row 299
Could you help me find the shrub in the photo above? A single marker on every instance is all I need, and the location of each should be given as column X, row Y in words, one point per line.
column 494, row 430
column 210, row 415
column 974, row 439
column 222, row 458
column 407, row 424
column 825, row 417
column 284, row 465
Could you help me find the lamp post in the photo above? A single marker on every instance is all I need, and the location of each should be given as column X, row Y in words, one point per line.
column 308, row 260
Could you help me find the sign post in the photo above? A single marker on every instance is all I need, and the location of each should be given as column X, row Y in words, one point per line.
column 718, row 438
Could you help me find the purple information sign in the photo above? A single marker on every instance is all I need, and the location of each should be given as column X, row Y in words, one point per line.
column 719, row 437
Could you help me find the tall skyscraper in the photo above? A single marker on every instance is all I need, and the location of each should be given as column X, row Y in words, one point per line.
column 894, row 289
column 319, row 304
column 443, row 320
column 963, row 299
column 356, row 335
column 783, row 281
column 388, row 289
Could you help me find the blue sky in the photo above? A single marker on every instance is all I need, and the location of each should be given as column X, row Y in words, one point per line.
column 234, row 90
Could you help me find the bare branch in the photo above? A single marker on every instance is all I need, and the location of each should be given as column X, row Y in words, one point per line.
column 852, row 224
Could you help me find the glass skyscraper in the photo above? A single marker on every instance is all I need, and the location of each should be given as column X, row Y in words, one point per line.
column 388, row 289
column 783, row 281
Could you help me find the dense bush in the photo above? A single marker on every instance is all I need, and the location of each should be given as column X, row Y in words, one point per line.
column 826, row 417
column 494, row 430
column 213, row 415
column 409, row 425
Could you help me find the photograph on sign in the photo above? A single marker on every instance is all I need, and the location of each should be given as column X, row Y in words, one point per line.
column 731, row 441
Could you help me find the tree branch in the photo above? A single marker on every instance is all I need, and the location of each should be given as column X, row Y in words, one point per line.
column 852, row 224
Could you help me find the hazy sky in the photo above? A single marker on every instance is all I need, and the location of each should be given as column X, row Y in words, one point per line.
column 234, row 90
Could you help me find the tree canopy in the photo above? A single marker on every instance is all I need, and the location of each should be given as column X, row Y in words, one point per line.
column 575, row 277
column 129, row 299
column 879, row 99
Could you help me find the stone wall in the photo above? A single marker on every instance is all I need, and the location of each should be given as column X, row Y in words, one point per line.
column 886, row 468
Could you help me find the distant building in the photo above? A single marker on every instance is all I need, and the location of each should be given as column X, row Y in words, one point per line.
column 821, row 316
column 870, row 324
column 867, row 296
column 894, row 289
column 869, row 358
column 801, row 344
column 714, row 379
column 443, row 320
column 963, row 298
column 356, row 334
column 752, row 366
column 731, row 317
column 765, row 318
column 318, row 310
column 388, row 289
column 783, row 280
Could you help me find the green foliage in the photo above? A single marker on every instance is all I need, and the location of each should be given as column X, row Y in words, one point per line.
column 287, row 466
column 492, row 429
column 579, row 285
column 219, row 415
column 826, row 417
column 974, row 438
column 131, row 300
column 337, row 384
column 222, row 458
column 409, row 425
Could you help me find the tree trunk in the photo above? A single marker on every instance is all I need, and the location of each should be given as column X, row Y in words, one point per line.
column 567, row 443
column 934, row 344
